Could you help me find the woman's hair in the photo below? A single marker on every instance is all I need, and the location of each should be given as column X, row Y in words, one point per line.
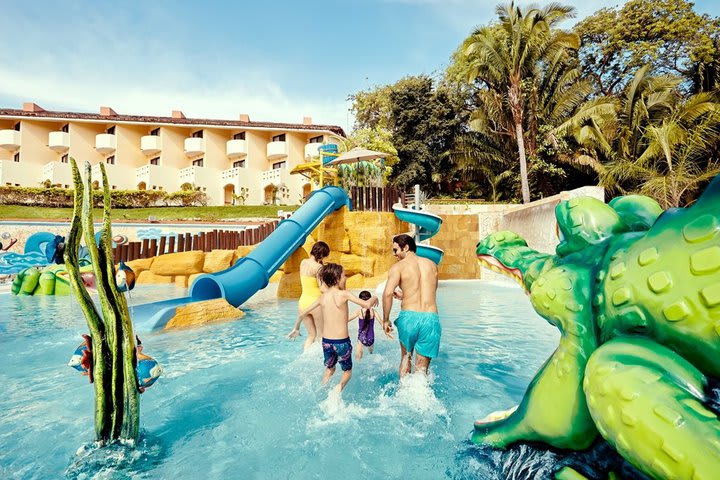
column 405, row 240
column 330, row 274
column 365, row 295
column 319, row 251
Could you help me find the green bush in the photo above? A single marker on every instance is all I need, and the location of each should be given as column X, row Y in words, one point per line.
column 63, row 197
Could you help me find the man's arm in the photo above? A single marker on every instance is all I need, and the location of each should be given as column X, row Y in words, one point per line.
column 392, row 283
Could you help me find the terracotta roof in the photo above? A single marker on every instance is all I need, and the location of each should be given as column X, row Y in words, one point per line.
column 171, row 120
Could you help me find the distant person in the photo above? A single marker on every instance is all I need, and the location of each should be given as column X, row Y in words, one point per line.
column 418, row 324
column 309, row 268
column 333, row 306
column 366, row 326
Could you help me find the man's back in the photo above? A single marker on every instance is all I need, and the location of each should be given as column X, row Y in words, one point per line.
column 418, row 282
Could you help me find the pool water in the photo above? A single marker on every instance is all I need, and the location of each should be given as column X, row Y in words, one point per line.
column 238, row 400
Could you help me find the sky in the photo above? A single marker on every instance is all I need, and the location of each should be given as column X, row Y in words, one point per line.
column 277, row 61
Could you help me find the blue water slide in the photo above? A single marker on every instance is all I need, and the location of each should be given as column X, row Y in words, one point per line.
column 428, row 225
column 251, row 273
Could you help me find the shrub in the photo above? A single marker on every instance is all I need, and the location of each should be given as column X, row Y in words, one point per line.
column 62, row 197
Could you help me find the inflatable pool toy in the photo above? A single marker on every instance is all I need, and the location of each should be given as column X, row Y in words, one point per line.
column 636, row 297
column 50, row 280
column 124, row 278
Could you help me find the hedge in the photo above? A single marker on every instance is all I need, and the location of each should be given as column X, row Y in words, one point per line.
column 63, row 197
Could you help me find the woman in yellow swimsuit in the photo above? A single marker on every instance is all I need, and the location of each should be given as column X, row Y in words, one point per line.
column 311, row 290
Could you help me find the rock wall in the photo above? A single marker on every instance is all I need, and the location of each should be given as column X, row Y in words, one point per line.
column 458, row 237
column 360, row 241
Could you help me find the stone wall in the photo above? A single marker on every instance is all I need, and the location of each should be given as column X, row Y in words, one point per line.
column 458, row 237
column 360, row 241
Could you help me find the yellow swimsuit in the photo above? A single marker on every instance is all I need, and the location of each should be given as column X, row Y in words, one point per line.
column 310, row 291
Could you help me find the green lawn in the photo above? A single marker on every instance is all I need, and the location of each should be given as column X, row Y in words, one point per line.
column 164, row 213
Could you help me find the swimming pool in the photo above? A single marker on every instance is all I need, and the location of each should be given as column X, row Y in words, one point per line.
column 238, row 400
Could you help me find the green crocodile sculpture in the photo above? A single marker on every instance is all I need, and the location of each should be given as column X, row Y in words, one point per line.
column 635, row 293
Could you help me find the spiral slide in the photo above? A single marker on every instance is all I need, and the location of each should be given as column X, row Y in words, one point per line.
column 426, row 226
column 251, row 273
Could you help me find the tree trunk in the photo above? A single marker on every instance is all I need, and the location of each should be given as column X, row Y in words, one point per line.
column 117, row 408
column 515, row 100
column 523, row 163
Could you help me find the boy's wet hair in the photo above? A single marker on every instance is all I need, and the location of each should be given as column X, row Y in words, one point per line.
column 320, row 250
column 405, row 239
column 330, row 274
column 365, row 295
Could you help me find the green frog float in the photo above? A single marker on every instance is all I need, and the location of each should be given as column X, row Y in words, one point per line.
column 50, row 280
column 635, row 293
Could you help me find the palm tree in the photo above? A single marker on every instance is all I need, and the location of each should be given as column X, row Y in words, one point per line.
column 674, row 163
column 505, row 58
column 647, row 140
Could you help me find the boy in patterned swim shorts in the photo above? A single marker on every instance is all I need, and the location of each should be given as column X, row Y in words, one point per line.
column 333, row 306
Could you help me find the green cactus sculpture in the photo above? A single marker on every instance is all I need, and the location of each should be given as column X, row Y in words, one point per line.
column 117, row 406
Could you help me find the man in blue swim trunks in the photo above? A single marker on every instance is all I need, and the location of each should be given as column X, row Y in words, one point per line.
column 418, row 324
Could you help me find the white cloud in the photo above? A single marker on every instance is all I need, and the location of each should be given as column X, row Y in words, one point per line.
column 102, row 63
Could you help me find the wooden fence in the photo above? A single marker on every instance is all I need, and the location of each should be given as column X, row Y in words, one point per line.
column 204, row 241
column 375, row 199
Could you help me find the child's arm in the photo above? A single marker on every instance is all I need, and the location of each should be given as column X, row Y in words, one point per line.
column 354, row 316
column 296, row 330
column 366, row 304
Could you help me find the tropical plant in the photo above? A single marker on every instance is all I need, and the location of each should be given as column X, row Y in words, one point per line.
column 648, row 140
column 505, row 58
column 676, row 160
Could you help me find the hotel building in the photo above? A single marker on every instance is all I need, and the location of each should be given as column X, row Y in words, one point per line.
column 222, row 158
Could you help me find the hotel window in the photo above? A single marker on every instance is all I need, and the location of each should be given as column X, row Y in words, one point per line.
column 67, row 186
column 155, row 132
column 155, row 161
column 65, row 128
column 279, row 138
column 198, row 162
column 64, row 158
column 239, row 136
column 17, row 127
column 111, row 130
column 16, row 157
column 318, row 139
column 278, row 165
column 198, row 134
column 239, row 164
column 114, row 187
column 110, row 160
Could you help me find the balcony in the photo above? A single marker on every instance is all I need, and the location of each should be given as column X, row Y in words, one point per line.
column 194, row 146
column 232, row 175
column 158, row 176
column 59, row 141
column 10, row 140
column 150, row 144
column 105, row 143
column 276, row 150
column 190, row 175
column 57, row 172
column 236, row 148
column 110, row 170
column 311, row 150
column 276, row 176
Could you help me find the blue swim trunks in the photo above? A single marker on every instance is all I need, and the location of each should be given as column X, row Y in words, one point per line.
column 419, row 331
column 337, row 349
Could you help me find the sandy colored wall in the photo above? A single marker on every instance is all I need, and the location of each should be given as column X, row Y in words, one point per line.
column 458, row 237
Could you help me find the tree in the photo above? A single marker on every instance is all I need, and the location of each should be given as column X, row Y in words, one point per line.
column 676, row 160
column 649, row 140
column 424, row 121
column 666, row 34
column 505, row 57
column 117, row 405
